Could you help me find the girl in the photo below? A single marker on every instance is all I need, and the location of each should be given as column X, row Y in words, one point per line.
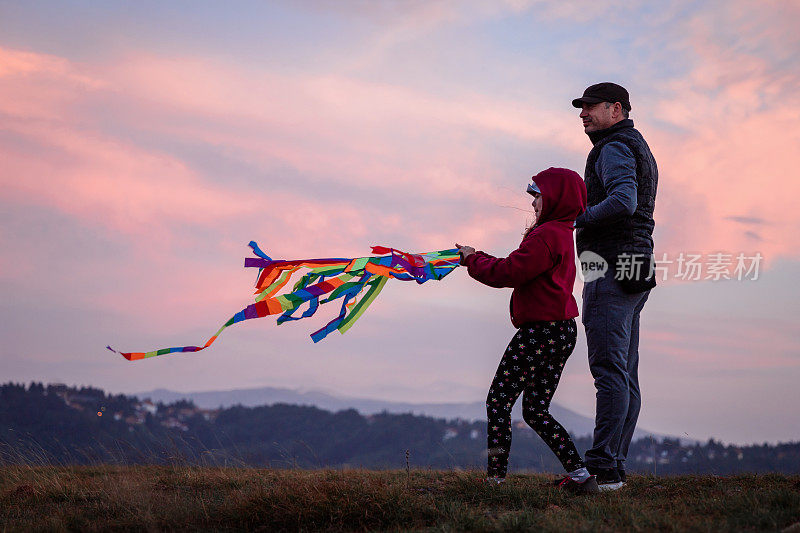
column 541, row 272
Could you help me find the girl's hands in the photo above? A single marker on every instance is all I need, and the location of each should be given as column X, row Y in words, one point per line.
column 464, row 252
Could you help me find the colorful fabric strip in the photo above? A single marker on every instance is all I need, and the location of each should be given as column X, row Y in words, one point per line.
column 334, row 278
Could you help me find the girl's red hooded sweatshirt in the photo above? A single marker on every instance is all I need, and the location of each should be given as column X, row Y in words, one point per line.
column 542, row 270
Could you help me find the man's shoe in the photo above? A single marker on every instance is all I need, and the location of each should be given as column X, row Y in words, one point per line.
column 607, row 478
column 588, row 486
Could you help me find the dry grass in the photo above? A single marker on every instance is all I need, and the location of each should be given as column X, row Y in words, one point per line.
column 203, row 498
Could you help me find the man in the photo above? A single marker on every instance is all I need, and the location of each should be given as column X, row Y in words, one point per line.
column 621, row 180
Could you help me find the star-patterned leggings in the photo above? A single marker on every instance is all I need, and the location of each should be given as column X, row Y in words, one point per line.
column 532, row 365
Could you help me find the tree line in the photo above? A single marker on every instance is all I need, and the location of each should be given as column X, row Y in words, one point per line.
column 56, row 424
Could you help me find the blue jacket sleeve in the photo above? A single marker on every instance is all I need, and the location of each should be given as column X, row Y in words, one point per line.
column 616, row 166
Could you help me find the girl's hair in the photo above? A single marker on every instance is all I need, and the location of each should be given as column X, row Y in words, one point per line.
column 530, row 227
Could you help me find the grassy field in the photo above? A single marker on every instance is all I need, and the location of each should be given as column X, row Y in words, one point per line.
column 202, row 498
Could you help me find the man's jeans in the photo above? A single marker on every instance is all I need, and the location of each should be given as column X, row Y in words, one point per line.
column 611, row 320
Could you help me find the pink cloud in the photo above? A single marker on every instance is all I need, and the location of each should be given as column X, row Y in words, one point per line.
column 366, row 134
column 731, row 345
column 38, row 86
column 735, row 156
column 353, row 127
column 109, row 182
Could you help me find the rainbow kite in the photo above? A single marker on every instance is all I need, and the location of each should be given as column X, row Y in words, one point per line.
column 336, row 278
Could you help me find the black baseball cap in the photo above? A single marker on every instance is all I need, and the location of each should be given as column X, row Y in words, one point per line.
column 604, row 92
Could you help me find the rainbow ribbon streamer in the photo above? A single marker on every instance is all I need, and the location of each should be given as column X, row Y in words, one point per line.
column 331, row 278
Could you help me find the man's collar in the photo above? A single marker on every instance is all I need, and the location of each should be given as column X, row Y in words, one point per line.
column 597, row 136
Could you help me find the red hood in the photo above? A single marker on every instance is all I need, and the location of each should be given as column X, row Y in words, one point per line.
column 563, row 195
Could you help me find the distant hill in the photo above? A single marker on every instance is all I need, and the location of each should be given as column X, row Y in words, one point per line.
column 577, row 424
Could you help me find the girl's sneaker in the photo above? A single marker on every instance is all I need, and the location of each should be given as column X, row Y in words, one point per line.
column 494, row 480
column 589, row 486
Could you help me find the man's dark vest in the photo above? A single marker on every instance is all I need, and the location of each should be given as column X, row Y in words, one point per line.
column 630, row 233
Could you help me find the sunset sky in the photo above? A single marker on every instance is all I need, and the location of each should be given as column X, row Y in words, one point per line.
column 144, row 144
